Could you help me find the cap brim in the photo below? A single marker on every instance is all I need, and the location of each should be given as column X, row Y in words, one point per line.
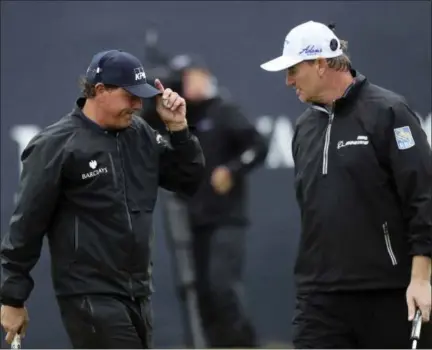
column 280, row 63
column 142, row 90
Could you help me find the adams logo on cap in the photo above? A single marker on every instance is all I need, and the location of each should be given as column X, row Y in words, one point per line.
column 310, row 50
column 139, row 73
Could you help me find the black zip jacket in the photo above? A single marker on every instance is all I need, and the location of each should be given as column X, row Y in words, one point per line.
column 93, row 192
column 228, row 139
column 363, row 178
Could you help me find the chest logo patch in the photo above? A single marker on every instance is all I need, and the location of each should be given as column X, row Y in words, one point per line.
column 361, row 140
column 95, row 171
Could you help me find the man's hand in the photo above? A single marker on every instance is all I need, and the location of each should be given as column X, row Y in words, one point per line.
column 171, row 108
column 222, row 180
column 14, row 320
column 418, row 295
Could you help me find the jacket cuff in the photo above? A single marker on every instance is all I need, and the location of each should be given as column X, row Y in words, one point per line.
column 12, row 302
column 178, row 137
column 418, row 249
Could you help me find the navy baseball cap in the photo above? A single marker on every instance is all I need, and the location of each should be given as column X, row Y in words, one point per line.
column 119, row 68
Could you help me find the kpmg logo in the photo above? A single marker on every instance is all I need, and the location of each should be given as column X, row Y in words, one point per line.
column 139, row 73
column 310, row 50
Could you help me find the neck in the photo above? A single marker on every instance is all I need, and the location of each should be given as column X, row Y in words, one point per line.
column 91, row 111
column 337, row 85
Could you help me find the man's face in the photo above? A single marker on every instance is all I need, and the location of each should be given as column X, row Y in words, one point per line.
column 196, row 84
column 305, row 79
column 118, row 106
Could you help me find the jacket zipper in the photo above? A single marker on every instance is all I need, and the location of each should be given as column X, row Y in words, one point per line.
column 76, row 233
column 131, row 288
column 327, row 144
column 113, row 169
column 124, row 184
column 125, row 203
column 388, row 244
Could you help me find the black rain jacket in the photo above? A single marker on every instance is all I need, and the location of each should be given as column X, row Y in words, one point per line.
column 363, row 178
column 93, row 192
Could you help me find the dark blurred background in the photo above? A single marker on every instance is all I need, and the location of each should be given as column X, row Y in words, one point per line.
column 47, row 45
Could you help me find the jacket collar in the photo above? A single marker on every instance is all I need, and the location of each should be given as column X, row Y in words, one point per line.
column 77, row 112
column 349, row 96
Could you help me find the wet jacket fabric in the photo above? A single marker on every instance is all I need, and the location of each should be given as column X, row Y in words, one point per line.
column 93, row 192
column 363, row 178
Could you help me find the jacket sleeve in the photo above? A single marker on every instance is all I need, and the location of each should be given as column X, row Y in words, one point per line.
column 37, row 195
column 250, row 147
column 181, row 163
column 410, row 159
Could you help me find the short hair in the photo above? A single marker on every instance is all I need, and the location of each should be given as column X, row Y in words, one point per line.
column 88, row 89
column 343, row 62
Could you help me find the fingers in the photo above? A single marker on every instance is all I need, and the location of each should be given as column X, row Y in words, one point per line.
column 177, row 103
column 14, row 321
column 411, row 308
column 172, row 100
column 13, row 331
column 166, row 95
column 425, row 310
column 10, row 336
column 158, row 85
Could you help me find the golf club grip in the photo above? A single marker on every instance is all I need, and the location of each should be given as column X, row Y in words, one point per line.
column 416, row 328
column 16, row 342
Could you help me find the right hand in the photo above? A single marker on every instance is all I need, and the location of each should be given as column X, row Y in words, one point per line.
column 14, row 320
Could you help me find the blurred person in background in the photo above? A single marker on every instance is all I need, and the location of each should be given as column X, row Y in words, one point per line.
column 207, row 232
column 363, row 178
column 90, row 182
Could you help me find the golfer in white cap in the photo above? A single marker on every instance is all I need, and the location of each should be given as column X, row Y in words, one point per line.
column 363, row 178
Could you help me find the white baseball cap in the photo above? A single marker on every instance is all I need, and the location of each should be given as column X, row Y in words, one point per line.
column 307, row 41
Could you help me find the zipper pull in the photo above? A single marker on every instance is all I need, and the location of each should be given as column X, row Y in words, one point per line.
column 385, row 227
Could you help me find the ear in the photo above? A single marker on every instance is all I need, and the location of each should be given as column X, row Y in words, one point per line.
column 322, row 66
column 99, row 88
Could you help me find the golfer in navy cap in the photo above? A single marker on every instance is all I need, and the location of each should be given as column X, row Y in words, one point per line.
column 90, row 182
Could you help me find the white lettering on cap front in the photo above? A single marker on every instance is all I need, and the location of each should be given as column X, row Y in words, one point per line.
column 139, row 73
column 307, row 41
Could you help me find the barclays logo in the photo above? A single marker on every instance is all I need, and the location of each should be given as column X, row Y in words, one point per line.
column 310, row 50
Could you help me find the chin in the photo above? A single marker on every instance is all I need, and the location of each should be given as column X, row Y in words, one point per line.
column 308, row 99
column 123, row 125
column 127, row 124
column 302, row 98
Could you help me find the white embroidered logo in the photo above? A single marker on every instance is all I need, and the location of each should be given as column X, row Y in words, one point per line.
column 139, row 73
column 93, row 164
column 361, row 140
